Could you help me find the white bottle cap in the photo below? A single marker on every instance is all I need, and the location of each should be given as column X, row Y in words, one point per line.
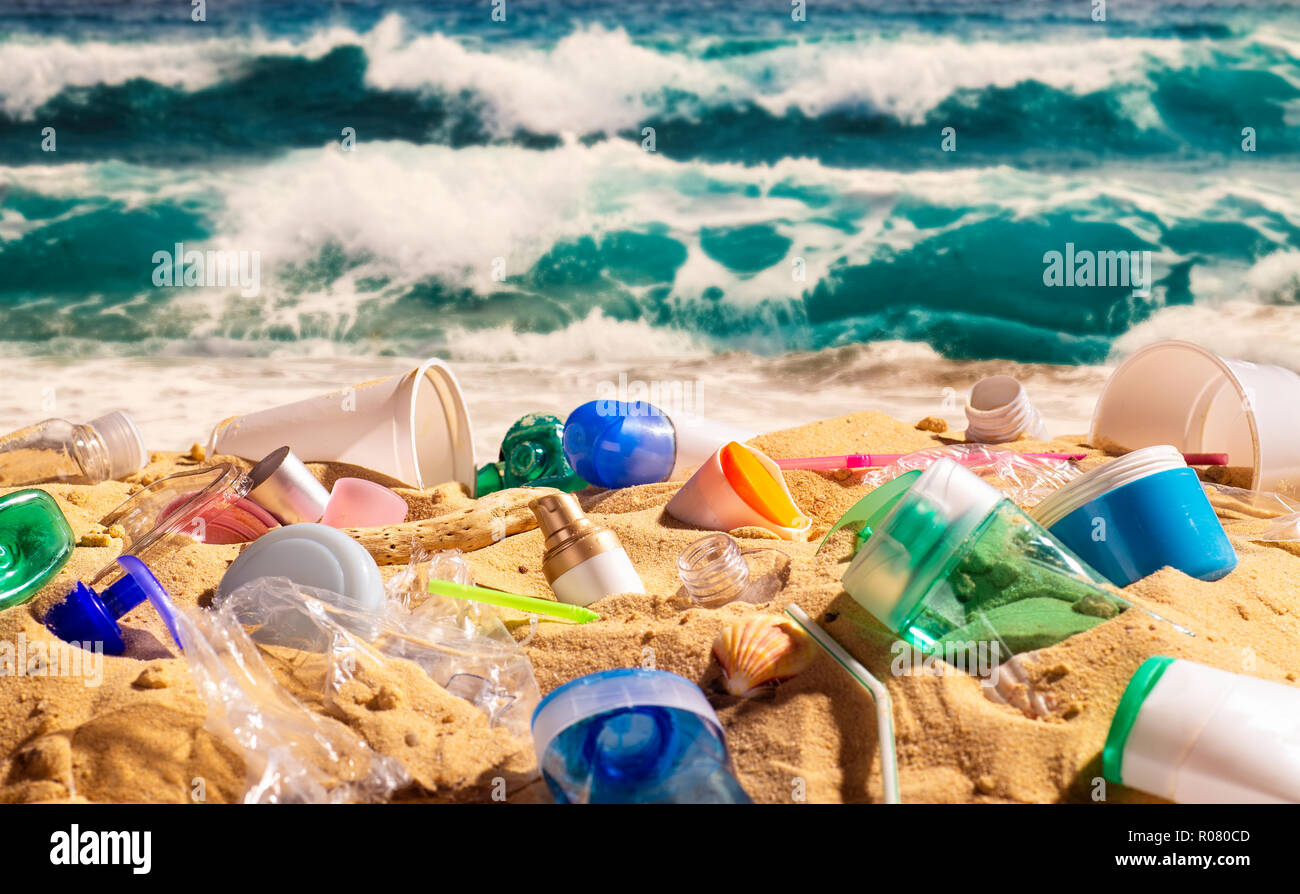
column 999, row 410
column 126, row 453
column 1105, row 478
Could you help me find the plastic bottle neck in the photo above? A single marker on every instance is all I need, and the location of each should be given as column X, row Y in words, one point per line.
column 999, row 410
column 90, row 453
column 713, row 570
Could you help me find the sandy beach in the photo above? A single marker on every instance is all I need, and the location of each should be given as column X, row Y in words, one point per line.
column 139, row 735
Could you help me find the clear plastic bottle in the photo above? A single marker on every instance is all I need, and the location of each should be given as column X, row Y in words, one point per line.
column 57, row 450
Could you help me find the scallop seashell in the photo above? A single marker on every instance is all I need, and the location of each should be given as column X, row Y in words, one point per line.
column 759, row 652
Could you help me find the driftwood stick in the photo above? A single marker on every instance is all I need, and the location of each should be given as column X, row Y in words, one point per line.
column 487, row 520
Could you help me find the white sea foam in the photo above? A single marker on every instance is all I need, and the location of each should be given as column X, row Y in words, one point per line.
column 177, row 400
column 598, row 79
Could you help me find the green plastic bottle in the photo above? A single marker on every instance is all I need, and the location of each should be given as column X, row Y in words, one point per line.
column 532, row 454
column 36, row 541
column 950, row 564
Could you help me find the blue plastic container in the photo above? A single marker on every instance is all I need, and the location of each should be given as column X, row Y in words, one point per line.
column 1130, row 517
column 618, row 444
column 633, row 736
column 614, row 443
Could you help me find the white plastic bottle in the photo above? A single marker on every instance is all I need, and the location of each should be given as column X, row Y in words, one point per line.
column 1196, row 734
column 999, row 411
column 583, row 561
column 58, row 450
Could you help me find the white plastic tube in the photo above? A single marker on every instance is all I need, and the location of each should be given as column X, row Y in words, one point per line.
column 1196, row 734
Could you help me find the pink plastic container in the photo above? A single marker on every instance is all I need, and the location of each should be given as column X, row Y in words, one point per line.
column 358, row 503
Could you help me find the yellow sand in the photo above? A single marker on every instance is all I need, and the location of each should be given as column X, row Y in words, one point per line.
column 139, row 736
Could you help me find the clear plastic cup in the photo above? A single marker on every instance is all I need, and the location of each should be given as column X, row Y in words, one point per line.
column 956, row 569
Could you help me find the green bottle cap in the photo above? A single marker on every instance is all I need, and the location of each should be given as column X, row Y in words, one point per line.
column 1139, row 687
column 36, row 541
column 532, row 455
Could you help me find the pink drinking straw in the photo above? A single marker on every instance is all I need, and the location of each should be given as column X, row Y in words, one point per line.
column 877, row 460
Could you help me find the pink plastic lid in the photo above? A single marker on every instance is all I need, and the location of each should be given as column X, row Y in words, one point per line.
column 358, row 503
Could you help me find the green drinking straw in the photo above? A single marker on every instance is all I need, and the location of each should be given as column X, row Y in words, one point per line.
column 879, row 694
column 575, row 613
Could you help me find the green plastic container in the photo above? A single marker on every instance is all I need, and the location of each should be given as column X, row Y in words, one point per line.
column 950, row 564
column 36, row 541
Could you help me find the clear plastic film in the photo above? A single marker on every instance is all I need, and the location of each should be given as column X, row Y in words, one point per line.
column 410, row 589
column 1024, row 480
column 492, row 673
column 291, row 754
column 1261, row 516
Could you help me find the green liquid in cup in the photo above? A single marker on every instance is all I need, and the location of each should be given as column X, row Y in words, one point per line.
column 1010, row 583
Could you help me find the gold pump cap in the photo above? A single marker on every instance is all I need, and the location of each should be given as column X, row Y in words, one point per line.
column 571, row 537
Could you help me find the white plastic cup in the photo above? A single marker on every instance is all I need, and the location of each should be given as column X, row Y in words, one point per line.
column 1195, row 734
column 1179, row 393
column 999, row 411
column 413, row 427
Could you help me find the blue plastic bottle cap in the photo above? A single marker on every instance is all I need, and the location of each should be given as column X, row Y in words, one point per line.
column 87, row 617
column 613, row 443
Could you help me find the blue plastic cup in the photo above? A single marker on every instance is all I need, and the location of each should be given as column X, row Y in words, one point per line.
column 1132, row 516
column 633, row 736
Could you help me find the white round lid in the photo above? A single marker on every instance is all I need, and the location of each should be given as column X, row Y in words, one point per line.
column 1107, row 477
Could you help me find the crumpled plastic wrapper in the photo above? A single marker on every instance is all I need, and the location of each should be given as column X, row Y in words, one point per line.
column 296, row 755
column 1025, row 480
column 291, row 754
column 1261, row 516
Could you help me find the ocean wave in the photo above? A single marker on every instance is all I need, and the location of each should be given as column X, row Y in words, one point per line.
column 1050, row 99
column 404, row 249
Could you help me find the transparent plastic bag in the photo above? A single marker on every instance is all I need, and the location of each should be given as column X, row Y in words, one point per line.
column 410, row 588
column 1261, row 516
column 491, row 672
column 1025, row 480
column 291, row 754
